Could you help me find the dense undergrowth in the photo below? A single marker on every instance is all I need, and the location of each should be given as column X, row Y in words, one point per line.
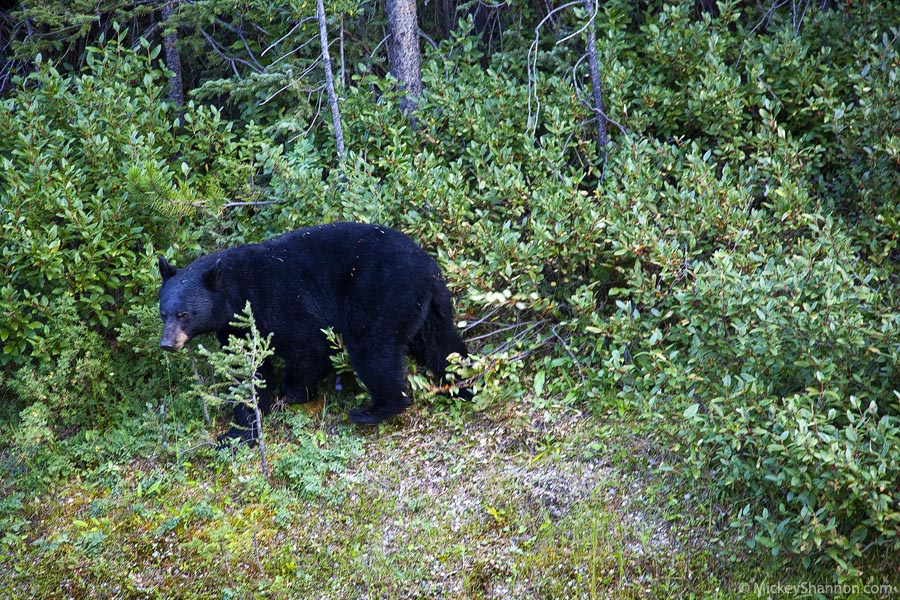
column 727, row 283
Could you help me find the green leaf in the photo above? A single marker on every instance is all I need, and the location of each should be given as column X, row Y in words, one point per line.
column 539, row 378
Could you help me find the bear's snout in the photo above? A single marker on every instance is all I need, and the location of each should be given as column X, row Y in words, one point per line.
column 173, row 339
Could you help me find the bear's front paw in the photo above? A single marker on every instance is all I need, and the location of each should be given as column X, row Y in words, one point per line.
column 235, row 436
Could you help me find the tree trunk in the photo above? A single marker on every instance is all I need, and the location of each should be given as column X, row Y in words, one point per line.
column 342, row 73
column 596, row 89
column 329, row 81
column 403, row 51
column 173, row 57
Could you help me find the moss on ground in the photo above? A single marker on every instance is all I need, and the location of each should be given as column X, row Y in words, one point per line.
column 504, row 503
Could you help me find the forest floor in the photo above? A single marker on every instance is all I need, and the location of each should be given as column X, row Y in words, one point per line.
column 509, row 502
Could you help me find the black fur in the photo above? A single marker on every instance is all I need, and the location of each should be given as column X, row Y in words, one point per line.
column 371, row 284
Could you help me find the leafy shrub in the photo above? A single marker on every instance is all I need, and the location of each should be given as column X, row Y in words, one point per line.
column 35, row 458
column 72, row 375
column 13, row 527
column 68, row 228
column 729, row 276
column 867, row 127
column 747, row 322
column 93, row 177
column 81, row 404
column 786, row 372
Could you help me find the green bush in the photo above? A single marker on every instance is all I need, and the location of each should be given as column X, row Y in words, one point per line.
column 867, row 129
column 727, row 278
column 754, row 318
column 72, row 375
column 313, row 457
column 68, row 227
column 90, row 402
column 36, row 458
column 785, row 369
column 94, row 175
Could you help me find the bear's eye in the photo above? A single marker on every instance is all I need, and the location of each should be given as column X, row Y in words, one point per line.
column 182, row 315
column 163, row 316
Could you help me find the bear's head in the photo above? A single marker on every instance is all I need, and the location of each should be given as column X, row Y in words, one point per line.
column 192, row 301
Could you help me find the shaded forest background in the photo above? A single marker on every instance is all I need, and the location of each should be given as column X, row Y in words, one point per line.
column 681, row 217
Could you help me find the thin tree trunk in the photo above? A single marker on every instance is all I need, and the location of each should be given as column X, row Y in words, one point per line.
column 342, row 74
column 259, row 431
column 403, row 51
column 173, row 56
column 6, row 63
column 596, row 89
column 329, row 81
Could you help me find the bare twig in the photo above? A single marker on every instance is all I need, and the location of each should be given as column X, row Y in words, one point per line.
column 288, row 34
column 471, row 324
column 797, row 20
column 329, row 81
column 292, row 52
column 377, row 46
column 514, row 326
column 592, row 10
column 256, row 203
column 570, row 353
column 256, row 554
column 775, row 6
column 239, row 32
column 534, row 327
column 233, row 61
column 293, row 81
column 531, row 68
column 425, row 37
column 316, row 115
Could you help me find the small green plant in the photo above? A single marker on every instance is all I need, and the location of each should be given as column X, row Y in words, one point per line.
column 313, row 456
column 340, row 359
column 13, row 524
column 773, row 366
column 236, row 373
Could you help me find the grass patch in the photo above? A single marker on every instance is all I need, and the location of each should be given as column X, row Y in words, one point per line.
column 506, row 503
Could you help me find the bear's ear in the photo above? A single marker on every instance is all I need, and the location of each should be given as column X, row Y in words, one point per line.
column 213, row 278
column 165, row 269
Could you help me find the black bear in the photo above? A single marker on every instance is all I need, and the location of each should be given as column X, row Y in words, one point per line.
column 371, row 284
